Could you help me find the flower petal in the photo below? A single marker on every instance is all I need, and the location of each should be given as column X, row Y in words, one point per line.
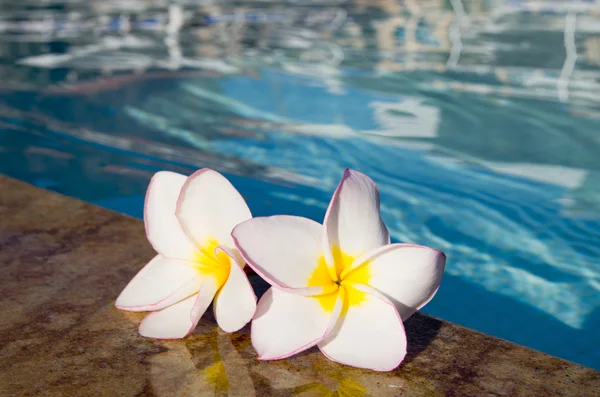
column 235, row 303
column 210, row 207
column 369, row 335
column 286, row 324
column 162, row 227
column 178, row 320
column 282, row 249
column 408, row 275
column 162, row 282
column 352, row 222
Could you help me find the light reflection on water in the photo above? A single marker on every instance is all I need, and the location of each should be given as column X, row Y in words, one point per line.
column 478, row 120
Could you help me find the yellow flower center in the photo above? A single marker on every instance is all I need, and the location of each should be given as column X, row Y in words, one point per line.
column 339, row 277
column 207, row 263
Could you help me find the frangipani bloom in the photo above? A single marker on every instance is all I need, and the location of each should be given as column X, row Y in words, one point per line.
column 341, row 286
column 188, row 222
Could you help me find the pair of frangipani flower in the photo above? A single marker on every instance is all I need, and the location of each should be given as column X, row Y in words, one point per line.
column 341, row 286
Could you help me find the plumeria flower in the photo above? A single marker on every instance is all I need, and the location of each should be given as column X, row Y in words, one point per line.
column 188, row 222
column 341, row 286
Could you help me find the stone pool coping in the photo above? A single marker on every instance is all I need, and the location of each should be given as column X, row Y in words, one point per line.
column 63, row 262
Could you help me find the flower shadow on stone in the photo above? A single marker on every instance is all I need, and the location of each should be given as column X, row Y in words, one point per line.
column 421, row 330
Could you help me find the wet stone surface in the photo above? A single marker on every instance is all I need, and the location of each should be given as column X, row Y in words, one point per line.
column 63, row 262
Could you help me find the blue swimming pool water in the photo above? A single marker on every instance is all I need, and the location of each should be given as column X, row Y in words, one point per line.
column 479, row 120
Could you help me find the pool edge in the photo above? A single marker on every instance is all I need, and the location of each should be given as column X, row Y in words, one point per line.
column 64, row 261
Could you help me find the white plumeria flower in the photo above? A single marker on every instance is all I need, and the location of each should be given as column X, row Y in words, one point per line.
column 341, row 286
column 188, row 222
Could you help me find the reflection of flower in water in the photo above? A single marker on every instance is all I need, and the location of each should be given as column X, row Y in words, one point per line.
column 205, row 363
column 311, row 374
column 210, row 362
column 334, row 384
column 216, row 376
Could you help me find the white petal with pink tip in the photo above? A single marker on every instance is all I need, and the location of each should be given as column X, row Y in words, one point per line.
column 370, row 335
column 178, row 320
column 286, row 324
column 235, row 303
column 210, row 207
column 283, row 249
column 352, row 222
column 408, row 275
column 162, row 282
column 162, row 227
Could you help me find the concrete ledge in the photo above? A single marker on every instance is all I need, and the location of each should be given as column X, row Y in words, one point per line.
column 63, row 262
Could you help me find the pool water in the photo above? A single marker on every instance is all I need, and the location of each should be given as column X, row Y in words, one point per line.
column 479, row 120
